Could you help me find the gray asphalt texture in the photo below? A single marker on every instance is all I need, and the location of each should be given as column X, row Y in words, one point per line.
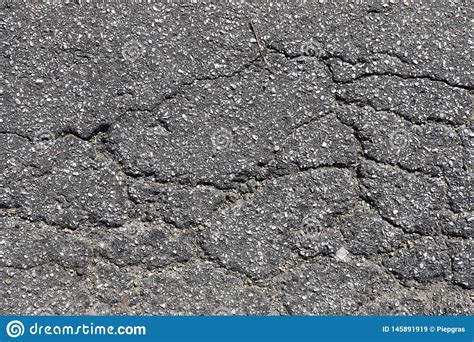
column 211, row 158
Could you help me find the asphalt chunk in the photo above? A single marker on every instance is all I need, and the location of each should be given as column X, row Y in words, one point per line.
column 236, row 158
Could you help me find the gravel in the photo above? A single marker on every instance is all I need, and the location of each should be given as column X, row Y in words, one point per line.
column 236, row 158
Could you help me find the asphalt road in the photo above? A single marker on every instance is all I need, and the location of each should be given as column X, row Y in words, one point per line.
column 274, row 158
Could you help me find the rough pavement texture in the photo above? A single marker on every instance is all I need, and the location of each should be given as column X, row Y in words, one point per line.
column 275, row 158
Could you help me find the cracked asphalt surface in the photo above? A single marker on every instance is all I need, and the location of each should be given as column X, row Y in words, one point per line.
column 215, row 158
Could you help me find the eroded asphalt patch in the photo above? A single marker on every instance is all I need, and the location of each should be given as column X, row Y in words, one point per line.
column 219, row 158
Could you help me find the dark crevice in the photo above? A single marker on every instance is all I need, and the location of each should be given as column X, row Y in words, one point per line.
column 407, row 77
column 101, row 129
